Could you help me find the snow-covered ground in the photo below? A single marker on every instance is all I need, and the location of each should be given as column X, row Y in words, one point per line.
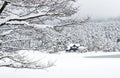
column 72, row 65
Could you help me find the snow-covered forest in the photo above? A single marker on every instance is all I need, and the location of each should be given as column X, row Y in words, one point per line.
column 33, row 25
column 36, row 25
column 49, row 26
column 54, row 36
column 96, row 36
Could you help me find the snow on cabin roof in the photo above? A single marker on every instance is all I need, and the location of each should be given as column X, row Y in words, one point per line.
column 71, row 44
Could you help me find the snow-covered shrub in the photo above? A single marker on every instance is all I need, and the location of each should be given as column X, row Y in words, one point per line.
column 26, row 59
column 82, row 49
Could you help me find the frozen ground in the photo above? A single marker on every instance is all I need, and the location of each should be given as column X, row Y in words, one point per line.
column 72, row 65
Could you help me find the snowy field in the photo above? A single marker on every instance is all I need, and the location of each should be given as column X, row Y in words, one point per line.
column 72, row 65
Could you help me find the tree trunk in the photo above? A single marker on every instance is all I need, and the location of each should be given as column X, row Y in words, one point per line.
column 3, row 6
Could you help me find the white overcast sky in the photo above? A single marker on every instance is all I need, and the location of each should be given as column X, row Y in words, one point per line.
column 100, row 8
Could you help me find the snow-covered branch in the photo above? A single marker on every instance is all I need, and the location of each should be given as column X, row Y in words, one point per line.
column 4, row 21
column 70, row 23
column 33, row 16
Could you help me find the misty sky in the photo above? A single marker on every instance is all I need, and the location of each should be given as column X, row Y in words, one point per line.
column 99, row 8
